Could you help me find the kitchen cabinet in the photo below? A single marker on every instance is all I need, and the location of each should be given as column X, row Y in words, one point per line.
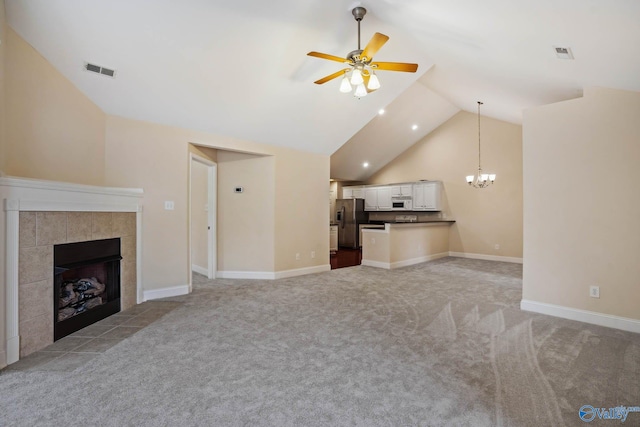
column 377, row 198
column 401, row 190
column 353, row 192
column 427, row 196
column 333, row 238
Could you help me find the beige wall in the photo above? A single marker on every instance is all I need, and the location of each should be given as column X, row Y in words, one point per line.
column 301, row 206
column 53, row 131
column 3, row 340
column 245, row 220
column 582, row 208
column 199, row 214
column 484, row 217
column 3, row 43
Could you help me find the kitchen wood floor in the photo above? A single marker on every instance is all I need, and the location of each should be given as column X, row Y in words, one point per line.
column 346, row 258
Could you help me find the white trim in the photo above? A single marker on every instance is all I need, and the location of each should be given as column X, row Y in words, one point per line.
column 12, row 253
column 270, row 275
column 62, row 206
column 69, row 187
column 486, row 257
column 172, row 291
column 302, row 271
column 595, row 318
column 413, row 261
column 378, row 264
column 199, row 270
column 264, row 275
column 404, row 263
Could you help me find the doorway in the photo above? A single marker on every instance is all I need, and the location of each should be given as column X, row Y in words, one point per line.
column 202, row 212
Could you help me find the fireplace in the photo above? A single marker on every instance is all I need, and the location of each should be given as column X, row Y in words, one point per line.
column 86, row 284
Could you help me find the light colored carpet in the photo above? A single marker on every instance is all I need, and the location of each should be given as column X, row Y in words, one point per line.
column 437, row 344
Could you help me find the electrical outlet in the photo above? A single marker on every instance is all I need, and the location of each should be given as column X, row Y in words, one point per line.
column 373, row 240
column 497, row 246
column 169, row 205
column 594, row 291
column 313, row 254
column 298, row 256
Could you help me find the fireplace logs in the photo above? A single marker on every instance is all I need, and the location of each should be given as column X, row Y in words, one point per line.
column 77, row 296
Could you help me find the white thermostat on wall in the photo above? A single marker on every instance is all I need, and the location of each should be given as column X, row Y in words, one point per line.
column 238, row 189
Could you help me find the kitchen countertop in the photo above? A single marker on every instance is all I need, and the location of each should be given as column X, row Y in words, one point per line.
column 412, row 222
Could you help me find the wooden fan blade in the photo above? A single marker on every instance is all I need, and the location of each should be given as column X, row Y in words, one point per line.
column 329, row 57
column 394, row 66
column 331, row 76
column 374, row 45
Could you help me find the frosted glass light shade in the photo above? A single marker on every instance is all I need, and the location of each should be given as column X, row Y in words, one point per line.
column 492, row 177
column 469, row 179
column 360, row 91
column 374, row 83
column 484, row 177
column 345, row 86
column 356, row 77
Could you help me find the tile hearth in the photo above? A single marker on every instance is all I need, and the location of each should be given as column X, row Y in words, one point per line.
column 81, row 347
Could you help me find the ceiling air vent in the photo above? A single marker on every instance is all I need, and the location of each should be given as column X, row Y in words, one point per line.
column 99, row 70
column 563, row 52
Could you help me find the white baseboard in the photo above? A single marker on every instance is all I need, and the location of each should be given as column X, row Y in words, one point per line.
column 264, row 275
column 302, row 271
column 200, row 270
column 378, row 264
column 173, row 291
column 486, row 257
column 595, row 318
column 271, row 275
column 413, row 261
column 403, row 263
column 3, row 354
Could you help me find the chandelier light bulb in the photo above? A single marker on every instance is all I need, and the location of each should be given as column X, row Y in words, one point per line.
column 374, row 83
column 356, row 77
column 360, row 91
column 345, row 86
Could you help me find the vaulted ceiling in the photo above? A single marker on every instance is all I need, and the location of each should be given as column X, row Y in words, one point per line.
column 239, row 68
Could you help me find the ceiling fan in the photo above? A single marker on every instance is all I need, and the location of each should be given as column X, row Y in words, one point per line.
column 361, row 70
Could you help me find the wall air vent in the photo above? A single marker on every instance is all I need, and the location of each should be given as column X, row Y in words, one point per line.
column 563, row 52
column 99, row 70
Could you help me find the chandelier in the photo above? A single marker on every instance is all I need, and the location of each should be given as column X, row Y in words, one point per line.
column 481, row 180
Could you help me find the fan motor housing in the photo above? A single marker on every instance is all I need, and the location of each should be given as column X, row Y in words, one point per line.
column 359, row 12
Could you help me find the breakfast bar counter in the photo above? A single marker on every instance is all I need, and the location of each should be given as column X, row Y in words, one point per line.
column 401, row 244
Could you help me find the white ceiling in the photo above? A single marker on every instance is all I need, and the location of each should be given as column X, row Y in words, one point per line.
column 239, row 68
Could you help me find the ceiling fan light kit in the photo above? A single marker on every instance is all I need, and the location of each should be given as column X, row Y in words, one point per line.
column 361, row 73
column 482, row 180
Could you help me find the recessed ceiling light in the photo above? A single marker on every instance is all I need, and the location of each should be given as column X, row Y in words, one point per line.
column 414, row 127
column 563, row 52
column 381, row 111
column 365, row 165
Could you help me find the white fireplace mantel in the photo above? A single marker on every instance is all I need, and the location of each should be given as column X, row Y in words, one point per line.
column 21, row 194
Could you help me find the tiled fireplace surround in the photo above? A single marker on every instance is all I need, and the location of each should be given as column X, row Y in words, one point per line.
column 41, row 214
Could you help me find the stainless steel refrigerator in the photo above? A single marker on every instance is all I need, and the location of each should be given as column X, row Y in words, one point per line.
column 349, row 215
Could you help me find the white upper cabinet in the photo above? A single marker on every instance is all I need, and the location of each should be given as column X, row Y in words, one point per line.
column 377, row 198
column 353, row 192
column 427, row 196
column 401, row 190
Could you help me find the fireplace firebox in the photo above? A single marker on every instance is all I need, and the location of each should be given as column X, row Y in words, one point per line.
column 86, row 284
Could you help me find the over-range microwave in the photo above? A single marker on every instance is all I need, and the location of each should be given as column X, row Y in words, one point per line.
column 401, row 203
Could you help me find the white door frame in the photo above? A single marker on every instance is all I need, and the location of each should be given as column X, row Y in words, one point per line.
column 212, row 256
